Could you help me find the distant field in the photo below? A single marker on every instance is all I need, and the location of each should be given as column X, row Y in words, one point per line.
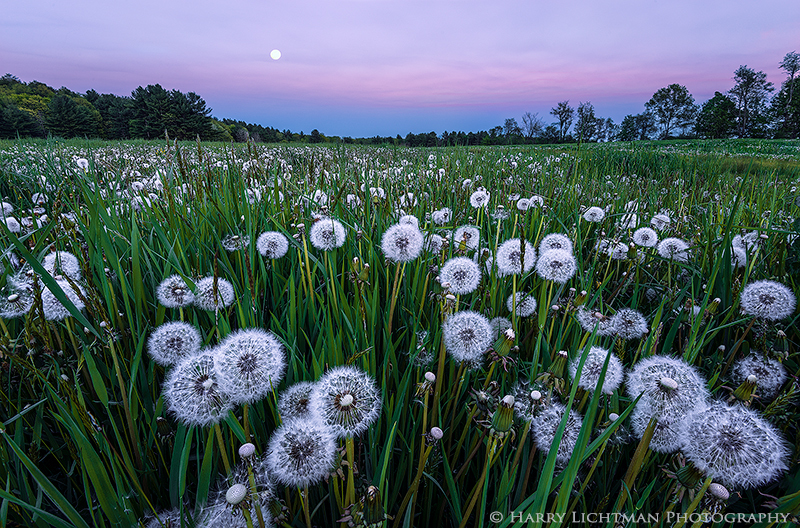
column 640, row 360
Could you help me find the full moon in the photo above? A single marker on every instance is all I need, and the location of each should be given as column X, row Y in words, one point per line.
column 275, row 54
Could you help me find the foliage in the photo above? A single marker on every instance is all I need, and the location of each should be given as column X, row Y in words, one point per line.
column 87, row 439
column 717, row 117
column 750, row 95
column 673, row 107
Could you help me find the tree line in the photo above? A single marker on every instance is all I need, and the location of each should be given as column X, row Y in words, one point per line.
column 747, row 110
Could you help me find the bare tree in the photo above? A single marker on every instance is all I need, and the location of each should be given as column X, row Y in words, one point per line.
column 532, row 124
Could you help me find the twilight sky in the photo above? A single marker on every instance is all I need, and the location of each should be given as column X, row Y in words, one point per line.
column 386, row 67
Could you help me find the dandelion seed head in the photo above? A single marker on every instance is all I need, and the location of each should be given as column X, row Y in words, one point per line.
column 629, row 324
column 442, row 216
column 327, row 234
column 249, row 364
column 544, row 427
column 469, row 235
column 589, row 319
column 173, row 341
column 192, row 393
column 462, row 273
column 667, row 436
column 769, row 373
column 735, row 446
column 206, row 298
column 661, row 399
column 555, row 241
column 173, row 292
column 499, row 326
column 660, row 222
column 410, row 220
column 294, row 401
column 514, row 257
column 52, row 307
column 347, row 400
column 63, row 263
column 479, row 198
column 521, row 303
column 467, row 336
column 433, row 243
column 593, row 366
column 645, row 237
column 738, row 257
column 557, row 265
column 768, row 300
column 272, row 244
column 673, row 249
column 235, row 242
column 594, row 214
column 402, row 243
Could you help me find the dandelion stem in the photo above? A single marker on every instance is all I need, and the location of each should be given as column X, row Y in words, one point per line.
column 393, row 301
column 350, row 496
column 221, row 442
column 254, row 495
column 304, row 500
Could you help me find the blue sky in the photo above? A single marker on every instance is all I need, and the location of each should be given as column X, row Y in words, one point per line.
column 367, row 67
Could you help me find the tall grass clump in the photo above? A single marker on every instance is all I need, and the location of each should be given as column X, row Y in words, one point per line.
column 251, row 335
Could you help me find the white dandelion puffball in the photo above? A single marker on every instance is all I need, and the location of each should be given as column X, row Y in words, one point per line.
column 660, row 222
column 173, row 292
column 645, row 237
column 272, row 244
column 557, row 265
column 629, row 324
column 735, row 446
column 327, row 234
column 192, row 393
column 442, row 216
column 670, row 387
column 555, row 241
column 213, row 293
column 462, row 273
column 674, row 249
column 52, row 307
column 589, row 320
column 515, row 257
column 667, row 436
column 294, row 401
column 738, row 257
column 544, row 427
column 15, row 302
column 82, row 163
column 480, row 198
column 249, row 364
column 768, row 300
column 469, row 235
column 433, row 243
column 6, row 208
column 402, row 243
column 63, row 263
column 521, row 303
column 410, row 220
column 593, row 366
column 347, row 400
column 770, row 373
column 594, row 214
column 173, row 341
column 467, row 335
column 628, row 221
column 523, row 204
column 499, row 326
column 301, row 452
column 235, row 242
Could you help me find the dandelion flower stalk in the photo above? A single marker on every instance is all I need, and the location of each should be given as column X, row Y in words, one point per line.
column 393, row 302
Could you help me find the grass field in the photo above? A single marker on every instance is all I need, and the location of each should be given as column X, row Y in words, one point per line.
column 445, row 418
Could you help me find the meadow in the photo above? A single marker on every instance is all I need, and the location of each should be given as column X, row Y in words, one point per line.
column 199, row 334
